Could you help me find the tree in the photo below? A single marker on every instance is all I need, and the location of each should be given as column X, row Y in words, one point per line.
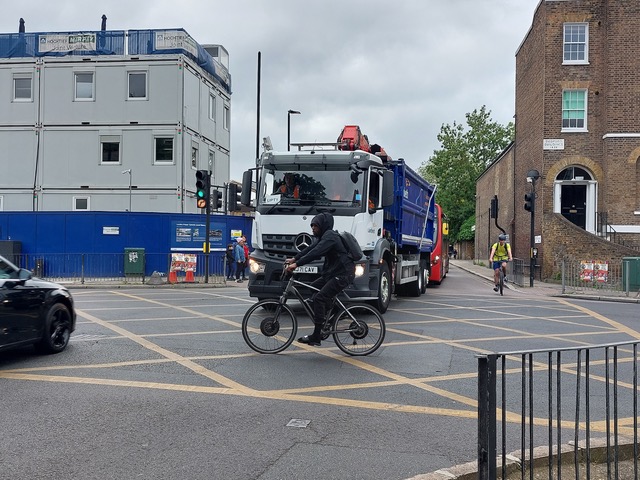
column 466, row 151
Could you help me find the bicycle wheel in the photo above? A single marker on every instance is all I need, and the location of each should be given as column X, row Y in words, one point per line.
column 361, row 336
column 269, row 327
column 501, row 284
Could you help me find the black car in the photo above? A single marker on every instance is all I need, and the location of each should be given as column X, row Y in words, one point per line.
column 33, row 311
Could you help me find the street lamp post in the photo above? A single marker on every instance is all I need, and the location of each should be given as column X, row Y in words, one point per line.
column 289, row 113
column 532, row 176
column 128, row 170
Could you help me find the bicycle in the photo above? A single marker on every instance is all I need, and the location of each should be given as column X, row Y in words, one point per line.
column 270, row 325
column 502, row 275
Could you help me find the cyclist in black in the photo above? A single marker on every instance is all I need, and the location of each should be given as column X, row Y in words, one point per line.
column 338, row 271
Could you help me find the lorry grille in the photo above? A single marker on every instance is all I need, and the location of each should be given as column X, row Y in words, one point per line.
column 279, row 245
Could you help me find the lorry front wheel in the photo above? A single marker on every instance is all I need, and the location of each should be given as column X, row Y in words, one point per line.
column 384, row 289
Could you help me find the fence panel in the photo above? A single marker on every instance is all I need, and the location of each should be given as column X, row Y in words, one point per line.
column 557, row 409
column 602, row 277
column 105, row 268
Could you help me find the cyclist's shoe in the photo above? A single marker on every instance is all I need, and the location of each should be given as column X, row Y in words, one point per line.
column 310, row 340
column 495, row 289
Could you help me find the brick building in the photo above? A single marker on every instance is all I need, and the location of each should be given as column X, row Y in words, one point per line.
column 577, row 124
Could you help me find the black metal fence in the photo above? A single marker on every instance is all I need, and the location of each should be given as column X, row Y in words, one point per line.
column 128, row 267
column 553, row 405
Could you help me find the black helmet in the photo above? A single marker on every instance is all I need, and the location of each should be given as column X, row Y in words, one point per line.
column 502, row 236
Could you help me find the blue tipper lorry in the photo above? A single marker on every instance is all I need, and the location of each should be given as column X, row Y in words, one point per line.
column 387, row 206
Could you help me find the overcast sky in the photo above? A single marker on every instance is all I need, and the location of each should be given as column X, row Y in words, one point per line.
column 399, row 69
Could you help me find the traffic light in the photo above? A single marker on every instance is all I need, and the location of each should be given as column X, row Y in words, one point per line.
column 202, row 188
column 217, row 199
column 529, row 202
column 234, row 200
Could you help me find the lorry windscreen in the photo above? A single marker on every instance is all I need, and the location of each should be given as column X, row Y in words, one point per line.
column 310, row 188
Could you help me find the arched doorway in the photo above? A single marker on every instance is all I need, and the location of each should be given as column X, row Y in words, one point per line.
column 574, row 195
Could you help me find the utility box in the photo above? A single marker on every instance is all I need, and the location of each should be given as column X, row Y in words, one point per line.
column 631, row 274
column 134, row 261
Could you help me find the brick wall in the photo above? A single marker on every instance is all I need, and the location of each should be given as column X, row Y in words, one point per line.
column 574, row 243
column 612, row 80
column 496, row 180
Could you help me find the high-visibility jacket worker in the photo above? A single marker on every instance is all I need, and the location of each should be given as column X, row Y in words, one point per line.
column 290, row 188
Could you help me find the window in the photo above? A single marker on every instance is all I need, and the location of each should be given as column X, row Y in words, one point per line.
column 22, row 88
column 163, row 149
column 212, row 107
column 574, row 110
column 110, row 149
column 138, row 85
column 1, row 203
column 81, row 203
column 84, row 86
column 226, row 118
column 194, row 155
column 576, row 43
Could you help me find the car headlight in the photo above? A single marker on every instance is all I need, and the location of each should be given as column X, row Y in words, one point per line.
column 256, row 267
column 359, row 269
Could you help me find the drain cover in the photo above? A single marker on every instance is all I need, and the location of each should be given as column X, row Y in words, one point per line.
column 297, row 422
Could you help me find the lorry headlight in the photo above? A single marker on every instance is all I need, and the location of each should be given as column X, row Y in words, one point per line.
column 359, row 269
column 256, row 267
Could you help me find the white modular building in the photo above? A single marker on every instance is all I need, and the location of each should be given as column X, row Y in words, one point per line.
column 111, row 120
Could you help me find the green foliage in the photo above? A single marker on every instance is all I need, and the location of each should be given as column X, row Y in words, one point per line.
column 466, row 151
column 466, row 232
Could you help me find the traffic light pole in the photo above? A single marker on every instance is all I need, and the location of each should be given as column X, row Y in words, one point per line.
column 207, row 228
column 530, row 206
column 532, row 260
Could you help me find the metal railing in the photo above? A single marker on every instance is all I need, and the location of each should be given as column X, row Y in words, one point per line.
column 538, row 399
column 119, row 268
column 605, row 278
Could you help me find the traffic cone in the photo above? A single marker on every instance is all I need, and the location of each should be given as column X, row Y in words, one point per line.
column 173, row 277
column 189, row 277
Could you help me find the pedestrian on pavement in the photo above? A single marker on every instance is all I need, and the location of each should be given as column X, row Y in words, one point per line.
column 231, row 262
column 239, row 257
column 246, row 257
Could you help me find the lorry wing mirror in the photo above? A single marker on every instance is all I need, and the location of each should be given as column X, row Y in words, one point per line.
column 387, row 188
column 247, row 181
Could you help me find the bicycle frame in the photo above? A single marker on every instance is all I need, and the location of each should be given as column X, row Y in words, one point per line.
column 291, row 289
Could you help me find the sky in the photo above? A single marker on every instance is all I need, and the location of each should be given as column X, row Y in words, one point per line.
column 399, row 69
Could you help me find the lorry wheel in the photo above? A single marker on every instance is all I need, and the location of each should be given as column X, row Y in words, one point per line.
column 424, row 273
column 384, row 289
column 414, row 289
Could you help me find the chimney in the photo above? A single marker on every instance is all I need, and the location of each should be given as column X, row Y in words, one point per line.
column 21, row 27
column 104, row 23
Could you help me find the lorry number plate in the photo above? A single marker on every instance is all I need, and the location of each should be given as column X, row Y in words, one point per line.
column 306, row 269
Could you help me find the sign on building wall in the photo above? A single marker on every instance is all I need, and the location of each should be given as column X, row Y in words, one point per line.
column 191, row 236
column 67, row 42
column 173, row 39
column 553, row 144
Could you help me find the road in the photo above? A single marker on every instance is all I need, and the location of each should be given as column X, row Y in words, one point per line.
column 158, row 384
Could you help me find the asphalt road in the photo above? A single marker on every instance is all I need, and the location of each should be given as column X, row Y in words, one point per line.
column 159, row 384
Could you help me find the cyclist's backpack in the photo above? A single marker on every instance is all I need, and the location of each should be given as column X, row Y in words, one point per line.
column 354, row 252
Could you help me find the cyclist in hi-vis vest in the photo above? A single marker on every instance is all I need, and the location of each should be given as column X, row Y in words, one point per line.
column 499, row 256
column 290, row 189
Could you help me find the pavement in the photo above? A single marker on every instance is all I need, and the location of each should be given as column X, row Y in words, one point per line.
column 539, row 288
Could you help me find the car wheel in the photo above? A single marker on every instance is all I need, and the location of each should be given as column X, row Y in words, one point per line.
column 57, row 330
